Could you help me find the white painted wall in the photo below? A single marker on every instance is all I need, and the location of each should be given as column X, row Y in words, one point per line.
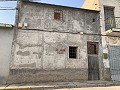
column 6, row 38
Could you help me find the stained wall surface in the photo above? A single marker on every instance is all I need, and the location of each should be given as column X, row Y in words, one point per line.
column 6, row 39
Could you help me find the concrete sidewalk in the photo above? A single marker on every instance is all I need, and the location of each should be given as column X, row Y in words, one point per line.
column 56, row 85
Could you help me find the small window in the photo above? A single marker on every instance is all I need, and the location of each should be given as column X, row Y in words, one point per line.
column 73, row 52
column 93, row 20
column 58, row 14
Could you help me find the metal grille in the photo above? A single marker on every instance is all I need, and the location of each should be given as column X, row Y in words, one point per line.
column 112, row 22
column 72, row 52
column 58, row 14
column 114, row 57
column 109, row 17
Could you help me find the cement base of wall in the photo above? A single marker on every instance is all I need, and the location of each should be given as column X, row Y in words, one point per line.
column 33, row 75
column 107, row 74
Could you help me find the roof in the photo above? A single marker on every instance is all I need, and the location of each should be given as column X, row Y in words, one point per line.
column 60, row 6
column 91, row 5
column 6, row 25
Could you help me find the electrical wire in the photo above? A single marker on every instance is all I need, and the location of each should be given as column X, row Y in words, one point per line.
column 9, row 9
column 19, row 0
column 6, row 7
column 98, row 34
column 8, row 0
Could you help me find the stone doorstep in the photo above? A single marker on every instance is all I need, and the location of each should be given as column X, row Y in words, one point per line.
column 58, row 85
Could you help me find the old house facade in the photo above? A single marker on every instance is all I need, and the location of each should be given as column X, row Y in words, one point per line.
column 6, row 39
column 56, row 43
column 110, row 30
column 111, row 43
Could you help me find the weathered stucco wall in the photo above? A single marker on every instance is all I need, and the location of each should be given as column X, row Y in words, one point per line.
column 32, row 47
column 41, row 50
column 6, row 38
column 41, row 16
column 45, row 55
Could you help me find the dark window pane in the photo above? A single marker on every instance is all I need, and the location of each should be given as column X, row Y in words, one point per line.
column 72, row 52
column 92, row 48
column 57, row 15
column 93, row 20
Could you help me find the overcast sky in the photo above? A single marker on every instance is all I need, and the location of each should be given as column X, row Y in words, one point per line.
column 8, row 16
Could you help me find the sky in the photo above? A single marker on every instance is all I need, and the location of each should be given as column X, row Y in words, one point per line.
column 8, row 16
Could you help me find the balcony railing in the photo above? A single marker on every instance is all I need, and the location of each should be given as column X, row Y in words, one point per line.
column 112, row 22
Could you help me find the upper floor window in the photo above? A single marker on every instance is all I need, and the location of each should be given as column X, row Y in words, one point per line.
column 58, row 14
column 109, row 17
column 93, row 20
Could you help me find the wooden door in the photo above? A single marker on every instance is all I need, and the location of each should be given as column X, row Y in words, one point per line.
column 93, row 61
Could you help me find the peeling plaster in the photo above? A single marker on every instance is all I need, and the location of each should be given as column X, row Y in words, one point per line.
column 25, row 53
column 38, row 47
column 28, row 65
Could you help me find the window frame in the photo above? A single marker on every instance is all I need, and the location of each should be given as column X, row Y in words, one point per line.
column 59, row 11
column 75, row 52
column 105, row 19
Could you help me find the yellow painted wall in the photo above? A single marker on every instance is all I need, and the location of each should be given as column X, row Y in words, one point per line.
column 91, row 4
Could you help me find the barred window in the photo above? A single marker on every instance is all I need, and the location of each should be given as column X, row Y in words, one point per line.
column 72, row 52
column 58, row 14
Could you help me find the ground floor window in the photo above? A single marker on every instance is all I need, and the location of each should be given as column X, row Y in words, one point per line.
column 73, row 52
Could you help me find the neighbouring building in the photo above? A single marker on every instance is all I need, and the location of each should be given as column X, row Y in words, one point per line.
column 6, row 39
column 56, row 43
column 91, row 5
column 110, row 30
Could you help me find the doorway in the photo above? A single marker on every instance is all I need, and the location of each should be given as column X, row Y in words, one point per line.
column 93, row 60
